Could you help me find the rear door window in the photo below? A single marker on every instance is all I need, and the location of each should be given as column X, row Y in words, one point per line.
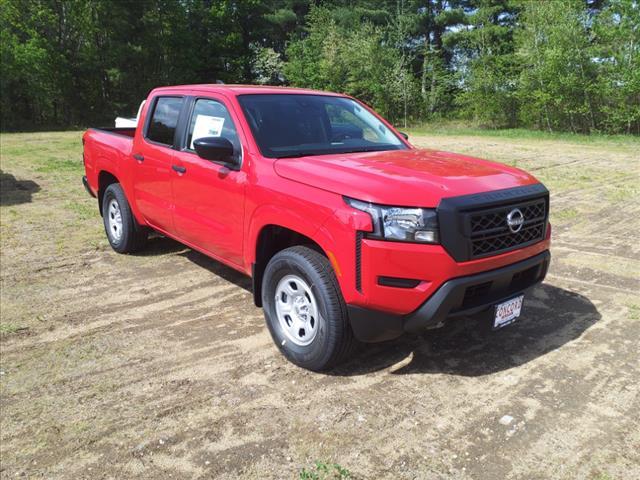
column 162, row 127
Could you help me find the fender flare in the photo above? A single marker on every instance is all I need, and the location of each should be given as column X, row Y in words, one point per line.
column 273, row 215
column 266, row 215
column 103, row 167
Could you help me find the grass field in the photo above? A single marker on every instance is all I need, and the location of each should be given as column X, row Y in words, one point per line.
column 456, row 129
column 158, row 366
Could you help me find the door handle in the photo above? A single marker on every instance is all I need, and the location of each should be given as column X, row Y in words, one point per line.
column 178, row 168
column 139, row 157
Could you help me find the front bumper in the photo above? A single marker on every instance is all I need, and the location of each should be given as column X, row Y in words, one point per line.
column 460, row 296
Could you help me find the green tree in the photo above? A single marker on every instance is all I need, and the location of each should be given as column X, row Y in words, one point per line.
column 557, row 86
column 617, row 30
column 434, row 19
column 560, row 65
column 360, row 60
column 266, row 66
column 488, row 68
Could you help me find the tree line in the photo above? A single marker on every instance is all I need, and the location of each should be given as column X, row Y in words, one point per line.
column 557, row 65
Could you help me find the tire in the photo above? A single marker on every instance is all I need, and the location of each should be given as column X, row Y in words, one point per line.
column 317, row 334
column 124, row 233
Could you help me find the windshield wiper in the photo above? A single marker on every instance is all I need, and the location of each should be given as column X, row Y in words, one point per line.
column 366, row 149
column 334, row 152
column 298, row 154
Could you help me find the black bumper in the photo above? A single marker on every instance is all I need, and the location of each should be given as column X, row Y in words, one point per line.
column 464, row 296
column 85, row 182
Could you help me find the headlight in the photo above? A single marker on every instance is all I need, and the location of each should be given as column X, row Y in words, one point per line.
column 400, row 223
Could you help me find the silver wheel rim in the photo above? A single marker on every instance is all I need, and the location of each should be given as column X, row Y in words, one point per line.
column 297, row 310
column 114, row 220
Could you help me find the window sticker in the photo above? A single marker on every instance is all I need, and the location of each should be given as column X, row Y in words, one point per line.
column 206, row 126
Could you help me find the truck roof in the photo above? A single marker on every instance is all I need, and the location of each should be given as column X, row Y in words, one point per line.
column 240, row 89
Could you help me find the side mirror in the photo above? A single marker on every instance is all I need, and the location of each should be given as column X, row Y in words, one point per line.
column 216, row 149
column 405, row 135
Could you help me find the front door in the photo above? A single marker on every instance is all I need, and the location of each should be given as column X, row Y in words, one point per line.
column 153, row 157
column 208, row 196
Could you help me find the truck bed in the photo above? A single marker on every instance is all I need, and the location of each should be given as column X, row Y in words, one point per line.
column 107, row 149
column 126, row 131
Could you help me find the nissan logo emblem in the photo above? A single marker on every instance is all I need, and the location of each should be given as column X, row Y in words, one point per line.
column 515, row 220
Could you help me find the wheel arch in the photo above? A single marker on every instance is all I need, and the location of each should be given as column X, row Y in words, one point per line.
column 105, row 178
column 271, row 239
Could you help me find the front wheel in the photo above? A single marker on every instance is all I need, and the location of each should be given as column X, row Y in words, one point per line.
column 124, row 233
column 304, row 309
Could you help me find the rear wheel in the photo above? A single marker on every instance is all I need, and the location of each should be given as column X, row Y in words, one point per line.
column 124, row 233
column 304, row 309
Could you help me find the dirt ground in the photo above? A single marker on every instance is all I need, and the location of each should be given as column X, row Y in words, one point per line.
column 158, row 365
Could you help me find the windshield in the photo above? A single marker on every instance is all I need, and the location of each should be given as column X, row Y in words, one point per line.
column 293, row 125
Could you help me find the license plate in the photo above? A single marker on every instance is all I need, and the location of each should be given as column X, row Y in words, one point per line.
column 507, row 312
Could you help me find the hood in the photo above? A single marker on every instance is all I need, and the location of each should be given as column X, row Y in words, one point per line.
column 414, row 177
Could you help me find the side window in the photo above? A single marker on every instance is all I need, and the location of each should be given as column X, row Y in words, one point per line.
column 211, row 119
column 164, row 119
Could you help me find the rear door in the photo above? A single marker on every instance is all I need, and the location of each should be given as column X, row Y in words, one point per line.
column 153, row 158
column 208, row 196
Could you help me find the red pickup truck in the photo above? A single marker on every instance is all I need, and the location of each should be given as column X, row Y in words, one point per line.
column 348, row 232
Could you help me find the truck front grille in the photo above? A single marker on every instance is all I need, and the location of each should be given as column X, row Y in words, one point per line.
column 476, row 226
column 490, row 232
